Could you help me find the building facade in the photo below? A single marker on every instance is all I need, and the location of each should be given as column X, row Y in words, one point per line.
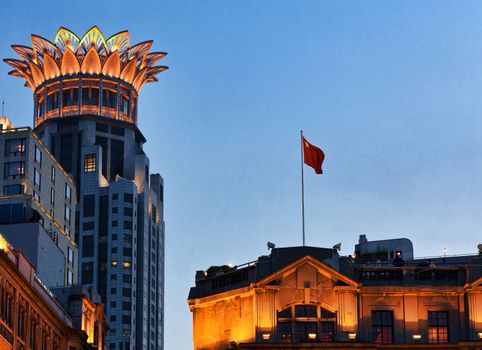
column 85, row 111
column 307, row 298
column 37, row 193
column 32, row 318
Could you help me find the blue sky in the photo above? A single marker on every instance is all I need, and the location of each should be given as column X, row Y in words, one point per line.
column 390, row 90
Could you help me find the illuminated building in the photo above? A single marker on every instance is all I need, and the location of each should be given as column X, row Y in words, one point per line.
column 32, row 318
column 312, row 298
column 37, row 205
column 85, row 92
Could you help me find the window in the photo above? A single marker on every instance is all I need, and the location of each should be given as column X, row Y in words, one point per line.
column 127, row 211
column 52, row 196
column 70, row 277
column 70, row 256
column 53, row 101
column 438, row 327
column 36, row 178
column 116, row 158
column 14, row 147
column 113, row 250
column 126, row 319
column 68, row 192
column 109, row 98
column 88, row 246
column 36, row 196
column 127, row 252
column 382, row 326
column 126, row 306
column 12, row 190
column 67, row 214
column 128, row 197
column 87, row 273
column 305, row 323
column 90, row 97
column 126, row 264
column 89, row 206
column 114, row 210
column 128, row 225
column 70, row 97
column 114, row 223
column 115, row 196
column 113, row 305
column 126, row 292
column 52, row 175
column 89, row 163
column 113, row 291
column 113, row 263
column 126, row 278
column 12, row 170
column 38, row 156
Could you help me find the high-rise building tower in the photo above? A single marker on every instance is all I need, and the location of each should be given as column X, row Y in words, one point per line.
column 85, row 111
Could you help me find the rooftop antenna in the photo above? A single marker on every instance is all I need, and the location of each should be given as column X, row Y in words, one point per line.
column 3, row 108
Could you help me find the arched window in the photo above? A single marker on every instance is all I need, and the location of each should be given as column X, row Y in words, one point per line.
column 305, row 323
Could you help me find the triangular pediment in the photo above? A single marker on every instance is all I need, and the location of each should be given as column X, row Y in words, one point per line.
column 308, row 262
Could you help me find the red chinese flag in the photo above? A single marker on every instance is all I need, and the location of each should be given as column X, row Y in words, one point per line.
column 313, row 156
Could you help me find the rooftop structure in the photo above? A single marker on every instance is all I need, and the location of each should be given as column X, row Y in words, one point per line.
column 74, row 75
column 308, row 297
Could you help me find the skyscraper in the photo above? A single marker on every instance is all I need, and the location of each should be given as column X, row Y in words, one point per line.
column 85, row 111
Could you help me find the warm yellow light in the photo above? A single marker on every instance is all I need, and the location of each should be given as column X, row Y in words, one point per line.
column 480, row 335
column 312, row 336
column 352, row 336
column 266, row 336
column 4, row 244
column 113, row 263
column 416, row 336
column 126, row 264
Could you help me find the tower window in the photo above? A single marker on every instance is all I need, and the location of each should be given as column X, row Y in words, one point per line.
column 89, row 163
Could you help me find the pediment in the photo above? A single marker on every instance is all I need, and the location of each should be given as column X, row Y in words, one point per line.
column 308, row 266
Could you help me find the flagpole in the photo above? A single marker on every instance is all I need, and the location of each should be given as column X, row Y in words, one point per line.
column 302, row 190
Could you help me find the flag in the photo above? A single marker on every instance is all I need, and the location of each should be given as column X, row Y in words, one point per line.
column 313, row 156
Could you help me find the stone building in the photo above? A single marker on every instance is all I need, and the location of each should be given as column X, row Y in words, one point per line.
column 85, row 93
column 37, row 205
column 307, row 298
column 32, row 318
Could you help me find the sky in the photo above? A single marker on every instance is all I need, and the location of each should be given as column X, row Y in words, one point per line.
column 390, row 90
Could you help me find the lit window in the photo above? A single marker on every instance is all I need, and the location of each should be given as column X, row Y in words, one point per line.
column 38, row 155
column 52, row 196
column 36, row 178
column 305, row 323
column 113, row 263
column 12, row 170
column 438, row 327
column 14, row 147
column 382, row 326
column 89, row 163
column 126, row 265
column 36, row 196
column 52, row 175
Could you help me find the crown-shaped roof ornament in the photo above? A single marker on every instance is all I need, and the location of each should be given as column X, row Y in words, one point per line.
column 91, row 54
